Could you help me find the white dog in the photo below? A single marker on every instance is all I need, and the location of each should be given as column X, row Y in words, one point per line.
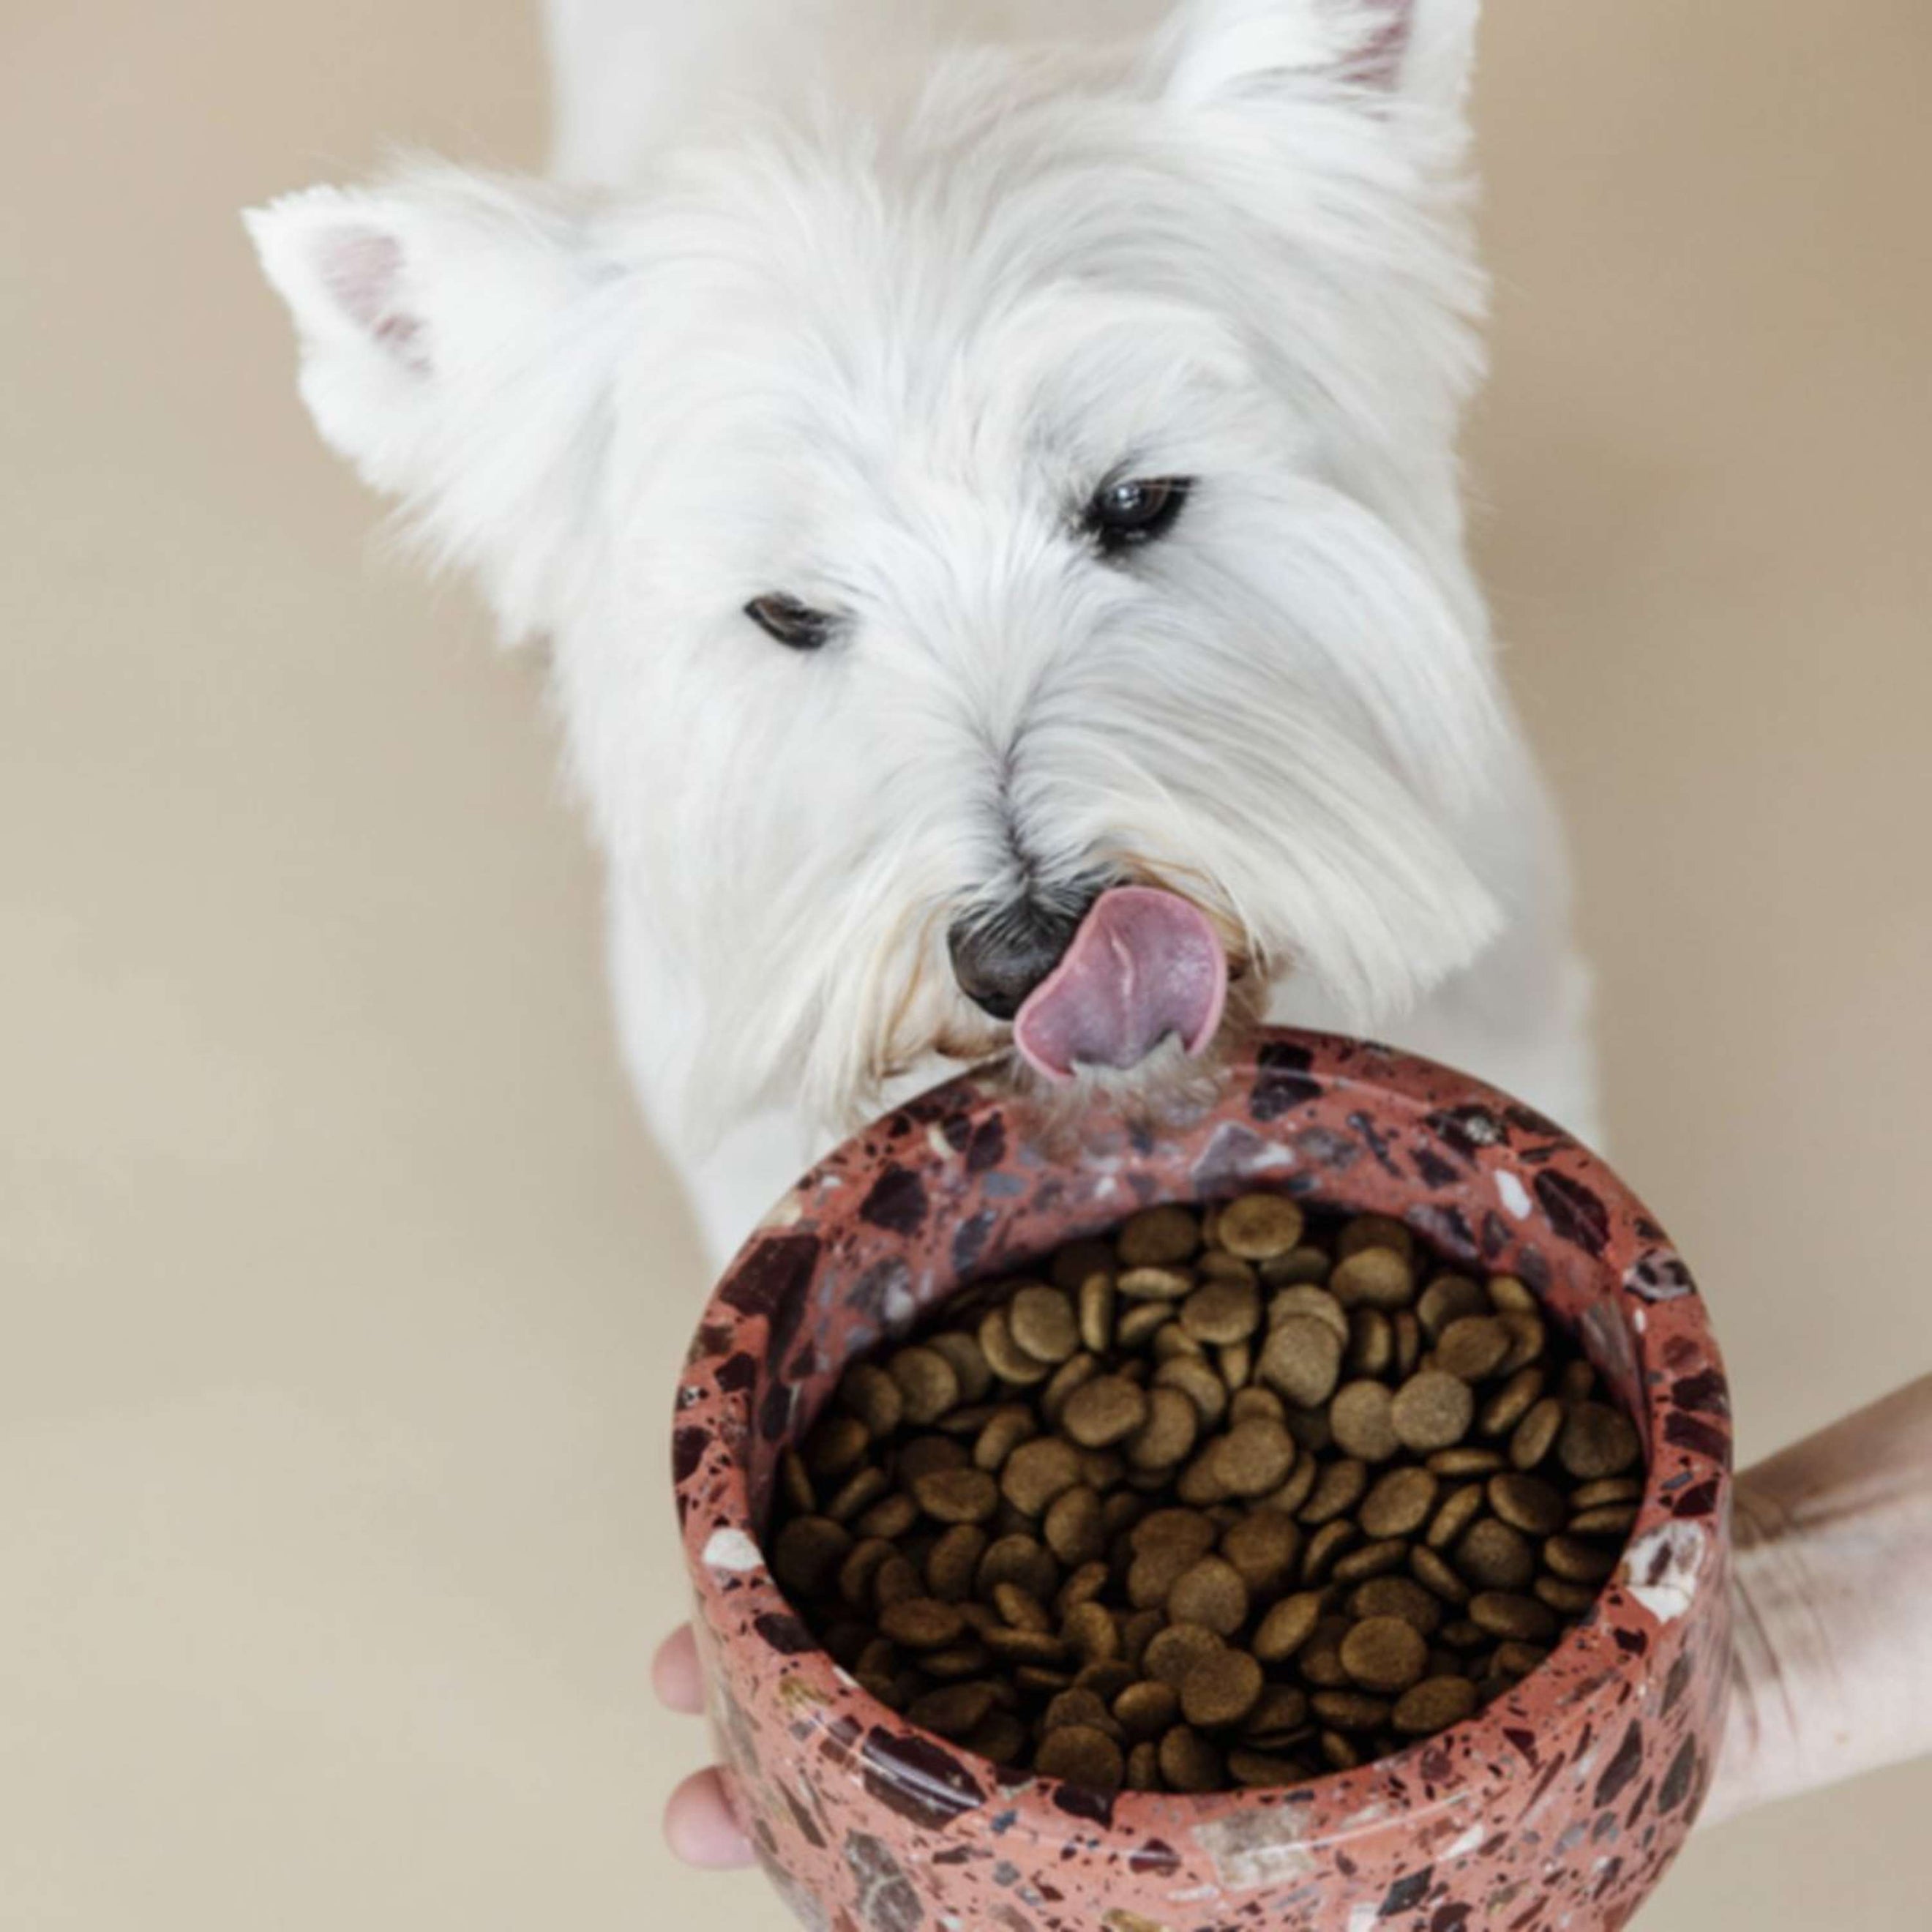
column 988, row 471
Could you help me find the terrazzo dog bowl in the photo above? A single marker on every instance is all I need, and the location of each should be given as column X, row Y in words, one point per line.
column 1560, row 1805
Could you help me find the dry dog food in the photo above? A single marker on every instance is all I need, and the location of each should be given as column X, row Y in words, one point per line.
column 1229, row 1499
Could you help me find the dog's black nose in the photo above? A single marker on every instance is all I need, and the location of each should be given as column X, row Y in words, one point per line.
column 999, row 957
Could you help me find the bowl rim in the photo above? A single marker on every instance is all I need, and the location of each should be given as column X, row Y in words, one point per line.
column 1341, row 1805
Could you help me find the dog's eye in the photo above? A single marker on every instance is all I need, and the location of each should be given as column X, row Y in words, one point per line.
column 1126, row 514
column 794, row 624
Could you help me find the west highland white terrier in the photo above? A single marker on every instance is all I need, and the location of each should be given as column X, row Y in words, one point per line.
column 987, row 470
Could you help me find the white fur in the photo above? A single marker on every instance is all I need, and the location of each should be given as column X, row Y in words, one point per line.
column 860, row 301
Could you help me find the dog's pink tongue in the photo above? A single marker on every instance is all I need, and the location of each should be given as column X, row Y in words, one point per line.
column 1143, row 965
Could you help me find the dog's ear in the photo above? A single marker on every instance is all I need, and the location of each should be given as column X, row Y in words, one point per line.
column 457, row 344
column 1222, row 49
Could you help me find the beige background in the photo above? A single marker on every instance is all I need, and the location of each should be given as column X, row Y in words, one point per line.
column 343, row 1293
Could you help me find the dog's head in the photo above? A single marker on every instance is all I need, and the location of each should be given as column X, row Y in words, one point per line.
column 944, row 524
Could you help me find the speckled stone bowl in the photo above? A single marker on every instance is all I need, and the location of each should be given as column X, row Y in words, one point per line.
column 1559, row 1806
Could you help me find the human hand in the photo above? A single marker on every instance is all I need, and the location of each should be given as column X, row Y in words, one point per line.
column 1832, row 1667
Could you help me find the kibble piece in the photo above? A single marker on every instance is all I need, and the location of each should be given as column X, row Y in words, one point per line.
column 1508, row 1296
column 1090, row 1629
column 1079, row 1754
column 807, row 1555
column 1155, row 1286
column 1170, row 1340
column 1362, row 1417
column 1175, row 1650
column 1338, row 1489
column 1535, row 1435
column 1374, row 1277
column 922, row 1623
column 874, row 1397
column 1575, row 1562
column 1020, row 1560
column 1220, row 1691
column 1458, row 1464
column 954, row 1562
column 1005, row 1357
column 1407, row 1342
column 1202, row 1387
column 795, row 1480
column 1001, row 1739
column 1184, row 1528
column 1288, row 1626
column 1371, row 1342
column 1083, row 1586
column 1038, row 1471
column 1217, row 1264
column 1528, row 1339
column 1350, row 1710
column 1189, row 1763
column 1263, row 1549
column 1520, row 1659
column 1259, row 1227
column 1027, row 1650
column 1338, row 1753
column 1616, row 1520
column 1021, row 1610
column 928, row 1456
column 1168, row 1435
column 1072, row 1527
column 1434, row 1706
column 1320, row 1660
column 1432, row 1411
column 954, row 1712
column 1137, row 1326
column 1579, row 1382
column 1568, row 1599
column 1066, row 1381
column 1461, row 1509
column 1399, row 1504
column 1324, row 1548
column 1220, row 1313
column 1004, row 1431
column 1093, row 1310
column 1473, row 1348
column 1262, row 1770
column 1612, row 1489
column 1305, row 1298
column 1374, row 1231
column 1447, row 1298
column 1157, row 1237
column 1102, row 1411
column 1434, row 1574
column 1289, row 1499
column 1397, row 1597
column 1148, row 1709
column 1373, row 1559
column 1143, row 1768
column 836, row 1447
column 1504, row 1614
column 1237, row 1364
column 957, row 1495
column 1254, row 1458
column 858, row 1493
column 1212, row 1594
column 897, row 1582
column 1302, row 1360
column 860, row 1568
column 1492, row 1556
column 926, row 1382
column 1256, row 1405
column 1527, row 1503
column 970, row 1366
column 1597, row 1440
column 1279, row 1712
column 1511, row 1403
column 1385, row 1654
column 1042, row 1322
